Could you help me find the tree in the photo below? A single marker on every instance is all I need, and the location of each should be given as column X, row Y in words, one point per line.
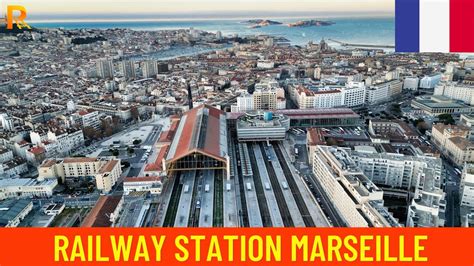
column 91, row 133
column 114, row 152
column 131, row 150
column 137, row 141
column 447, row 119
column 135, row 113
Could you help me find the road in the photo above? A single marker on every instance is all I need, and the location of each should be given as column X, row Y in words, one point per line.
column 453, row 218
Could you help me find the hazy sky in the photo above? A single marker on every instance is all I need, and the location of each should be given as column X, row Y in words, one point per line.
column 59, row 7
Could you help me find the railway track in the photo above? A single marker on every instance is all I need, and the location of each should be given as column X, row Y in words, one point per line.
column 308, row 220
column 174, row 202
column 280, row 198
column 193, row 220
column 243, row 213
column 218, row 215
column 262, row 201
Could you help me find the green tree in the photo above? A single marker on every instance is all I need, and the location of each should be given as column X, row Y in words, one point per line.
column 447, row 119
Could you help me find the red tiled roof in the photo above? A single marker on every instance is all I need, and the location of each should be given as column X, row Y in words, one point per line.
column 37, row 150
column 158, row 164
column 99, row 216
column 189, row 138
column 142, row 179
column 83, row 112
column 108, row 167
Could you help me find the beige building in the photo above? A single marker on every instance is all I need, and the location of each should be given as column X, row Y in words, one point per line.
column 108, row 175
column 106, row 172
column 460, row 150
column 454, row 143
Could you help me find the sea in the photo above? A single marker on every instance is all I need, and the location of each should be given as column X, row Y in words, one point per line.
column 379, row 31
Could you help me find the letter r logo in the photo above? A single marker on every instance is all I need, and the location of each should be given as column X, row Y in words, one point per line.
column 20, row 20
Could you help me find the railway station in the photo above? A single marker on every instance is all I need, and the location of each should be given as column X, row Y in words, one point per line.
column 217, row 179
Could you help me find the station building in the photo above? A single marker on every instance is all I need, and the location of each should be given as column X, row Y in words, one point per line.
column 200, row 142
column 262, row 126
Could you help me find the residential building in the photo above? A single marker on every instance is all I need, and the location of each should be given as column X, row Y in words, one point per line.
column 128, row 69
column 358, row 201
column 383, row 91
column 467, row 186
column 398, row 170
column 457, row 91
column 411, row 83
column 105, row 69
column 430, row 82
column 108, row 175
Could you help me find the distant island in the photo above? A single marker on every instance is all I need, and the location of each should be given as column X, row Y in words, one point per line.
column 258, row 23
column 311, row 23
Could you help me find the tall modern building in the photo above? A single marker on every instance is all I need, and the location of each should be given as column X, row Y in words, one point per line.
column 149, row 69
column 105, row 68
column 128, row 69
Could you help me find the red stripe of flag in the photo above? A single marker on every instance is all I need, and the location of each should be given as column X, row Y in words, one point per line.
column 461, row 25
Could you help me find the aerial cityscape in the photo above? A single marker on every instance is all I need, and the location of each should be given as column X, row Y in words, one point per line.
column 255, row 122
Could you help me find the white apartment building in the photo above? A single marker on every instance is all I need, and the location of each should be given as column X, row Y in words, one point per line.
column 353, row 94
column 430, row 82
column 66, row 141
column 427, row 208
column 26, row 188
column 5, row 154
column 324, row 97
column 398, row 170
column 58, row 143
column 6, row 122
column 87, row 119
column 244, row 103
column 456, row 91
column 411, row 83
column 357, row 200
column 383, row 91
column 467, row 186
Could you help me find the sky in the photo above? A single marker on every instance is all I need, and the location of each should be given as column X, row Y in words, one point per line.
column 137, row 8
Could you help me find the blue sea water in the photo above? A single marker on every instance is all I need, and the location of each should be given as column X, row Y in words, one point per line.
column 355, row 30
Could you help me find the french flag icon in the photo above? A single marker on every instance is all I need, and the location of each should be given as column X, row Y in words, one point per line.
column 434, row 26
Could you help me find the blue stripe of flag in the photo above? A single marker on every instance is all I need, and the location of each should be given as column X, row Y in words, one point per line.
column 407, row 25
